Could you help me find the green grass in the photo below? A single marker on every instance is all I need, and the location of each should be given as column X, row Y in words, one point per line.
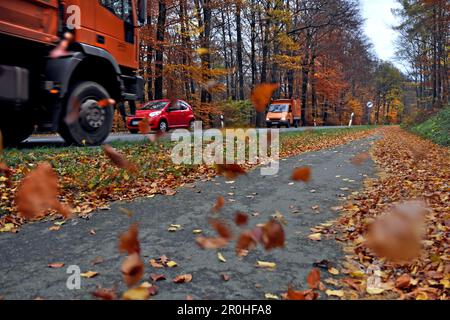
column 436, row 128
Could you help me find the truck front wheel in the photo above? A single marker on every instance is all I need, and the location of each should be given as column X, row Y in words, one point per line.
column 95, row 120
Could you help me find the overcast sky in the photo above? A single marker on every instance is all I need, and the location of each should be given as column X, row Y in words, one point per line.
column 379, row 20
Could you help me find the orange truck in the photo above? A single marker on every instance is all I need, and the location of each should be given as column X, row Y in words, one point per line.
column 40, row 89
column 284, row 112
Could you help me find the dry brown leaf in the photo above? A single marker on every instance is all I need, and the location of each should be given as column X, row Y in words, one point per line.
column 183, row 278
column 241, row 218
column 105, row 294
column 118, row 159
column 38, row 192
column 313, row 278
column 129, row 241
column 301, row 174
column 132, row 269
column 230, row 171
column 272, row 235
column 56, row 265
column 220, row 202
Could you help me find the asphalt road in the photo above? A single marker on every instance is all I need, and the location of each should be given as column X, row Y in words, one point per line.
column 24, row 256
column 56, row 140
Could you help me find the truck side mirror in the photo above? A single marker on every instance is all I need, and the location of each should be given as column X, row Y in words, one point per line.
column 142, row 11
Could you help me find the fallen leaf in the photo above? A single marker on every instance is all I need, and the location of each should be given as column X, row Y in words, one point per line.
column 264, row 264
column 184, row 278
column 403, row 281
column 225, row 277
column 56, row 265
column 139, row 293
column 157, row 277
column 315, row 236
column 360, row 158
column 211, row 243
column 221, row 257
column 105, row 294
column 271, row 296
column 171, row 264
column 336, row 293
column 333, row 271
column 89, row 274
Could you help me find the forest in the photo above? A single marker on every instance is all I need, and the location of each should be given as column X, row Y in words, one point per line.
column 213, row 53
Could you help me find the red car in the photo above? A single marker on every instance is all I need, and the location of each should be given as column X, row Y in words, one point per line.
column 162, row 115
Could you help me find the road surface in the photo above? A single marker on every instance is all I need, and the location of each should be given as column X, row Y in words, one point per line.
column 24, row 256
column 56, row 140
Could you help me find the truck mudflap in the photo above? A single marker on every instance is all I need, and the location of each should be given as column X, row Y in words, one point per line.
column 14, row 84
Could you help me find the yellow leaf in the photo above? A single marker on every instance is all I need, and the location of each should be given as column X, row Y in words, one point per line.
column 139, row 293
column 271, row 296
column 202, row 51
column 171, row 264
column 374, row 290
column 333, row 271
column 315, row 236
column 445, row 283
column 89, row 274
column 357, row 274
column 7, row 228
column 336, row 293
column 197, row 231
column 422, row 296
column 221, row 257
column 264, row 264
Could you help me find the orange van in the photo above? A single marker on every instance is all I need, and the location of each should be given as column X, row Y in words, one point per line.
column 284, row 112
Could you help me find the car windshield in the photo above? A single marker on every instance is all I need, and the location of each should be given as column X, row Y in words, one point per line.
column 278, row 108
column 156, row 105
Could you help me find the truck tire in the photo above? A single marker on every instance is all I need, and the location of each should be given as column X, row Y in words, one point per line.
column 94, row 122
column 15, row 128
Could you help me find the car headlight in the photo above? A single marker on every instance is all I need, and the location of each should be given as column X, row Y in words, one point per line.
column 267, row 119
column 283, row 119
column 154, row 114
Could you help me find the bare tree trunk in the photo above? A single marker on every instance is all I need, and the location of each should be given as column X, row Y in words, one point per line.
column 159, row 58
column 239, row 49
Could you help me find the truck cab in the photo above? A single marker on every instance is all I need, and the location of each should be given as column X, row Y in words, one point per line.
column 97, row 62
column 283, row 112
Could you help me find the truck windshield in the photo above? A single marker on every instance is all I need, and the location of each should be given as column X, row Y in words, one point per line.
column 156, row 105
column 278, row 108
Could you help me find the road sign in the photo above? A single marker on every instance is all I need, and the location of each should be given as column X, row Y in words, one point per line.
column 369, row 104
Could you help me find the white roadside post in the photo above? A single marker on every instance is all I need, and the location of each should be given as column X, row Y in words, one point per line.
column 351, row 119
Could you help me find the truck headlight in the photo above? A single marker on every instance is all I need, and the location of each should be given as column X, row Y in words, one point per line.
column 267, row 119
column 283, row 119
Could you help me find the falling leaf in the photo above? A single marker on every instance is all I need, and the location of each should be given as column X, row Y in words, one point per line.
column 221, row 228
column 265, row 264
column 118, row 159
column 155, row 264
column 230, row 171
column 56, row 265
column 202, row 51
column 313, row 278
column 139, row 293
column 273, row 235
column 245, row 242
column 221, row 257
column 132, row 269
column 129, row 242
column 220, row 202
column 360, row 158
column 336, row 293
column 211, row 243
column 105, row 294
column 262, row 94
column 106, row 103
column 61, row 49
column 74, row 114
column 240, row 218
column 38, row 192
column 144, row 126
column 184, row 278
column 157, row 277
column 301, row 174
column 89, row 274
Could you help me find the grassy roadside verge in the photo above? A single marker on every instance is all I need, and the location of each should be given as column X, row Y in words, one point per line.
column 437, row 128
column 89, row 181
